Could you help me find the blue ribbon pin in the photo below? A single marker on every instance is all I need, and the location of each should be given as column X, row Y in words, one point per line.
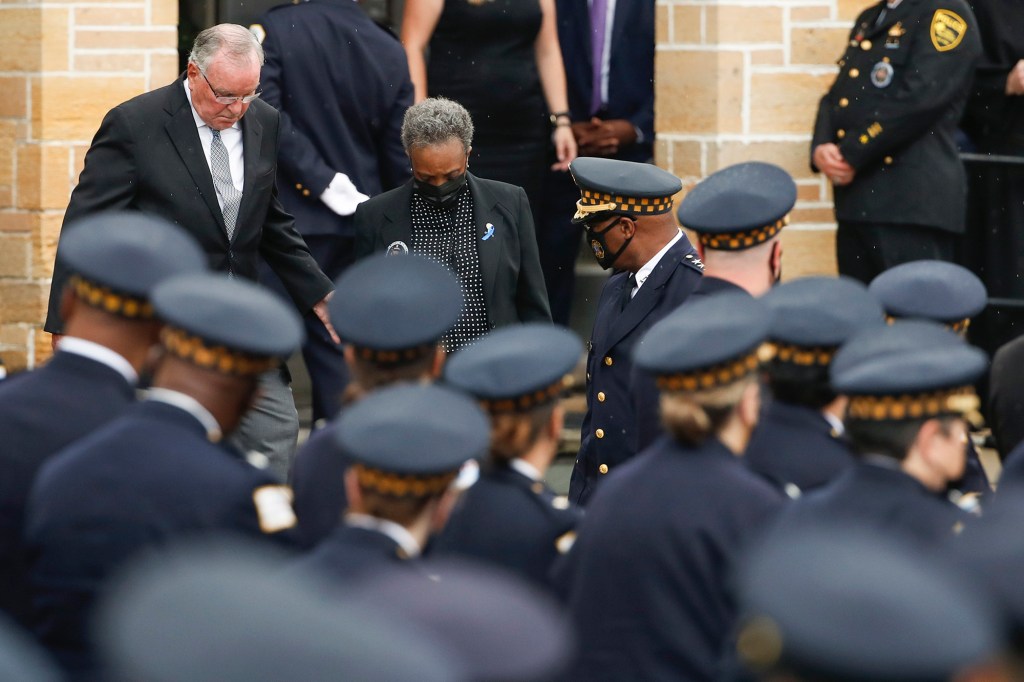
column 489, row 233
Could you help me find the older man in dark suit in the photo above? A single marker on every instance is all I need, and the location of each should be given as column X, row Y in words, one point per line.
column 342, row 86
column 184, row 152
column 482, row 230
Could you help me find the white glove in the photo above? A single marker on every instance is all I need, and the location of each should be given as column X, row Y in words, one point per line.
column 341, row 196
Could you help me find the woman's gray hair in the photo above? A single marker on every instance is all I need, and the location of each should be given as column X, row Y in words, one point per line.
column 436, row 121
column 237, row 43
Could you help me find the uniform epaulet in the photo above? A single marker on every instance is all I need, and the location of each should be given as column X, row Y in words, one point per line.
column 274, row 508
column 694, row 262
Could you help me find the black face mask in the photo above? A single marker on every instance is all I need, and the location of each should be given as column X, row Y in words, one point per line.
column 600, row 247
column 442, row 196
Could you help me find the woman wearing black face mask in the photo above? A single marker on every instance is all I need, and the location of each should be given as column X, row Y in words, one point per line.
column 481, row 230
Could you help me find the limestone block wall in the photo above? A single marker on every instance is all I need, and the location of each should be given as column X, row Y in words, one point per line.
column 62, row 66
column 740, row 80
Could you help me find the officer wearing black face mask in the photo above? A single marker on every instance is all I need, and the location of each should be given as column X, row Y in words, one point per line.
column 627, row 210
column 479, row 229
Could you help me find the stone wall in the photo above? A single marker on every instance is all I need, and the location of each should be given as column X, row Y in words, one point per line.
column 64, row 64
column 740, row 81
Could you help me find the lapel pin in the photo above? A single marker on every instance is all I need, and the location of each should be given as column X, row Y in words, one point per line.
column 489, row 233
column 397, row 249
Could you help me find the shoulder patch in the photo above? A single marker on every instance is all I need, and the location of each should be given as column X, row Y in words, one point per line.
column 948, row 29
column 560, row 502
column 565, row 542
column 258, row 31
column 274, row 508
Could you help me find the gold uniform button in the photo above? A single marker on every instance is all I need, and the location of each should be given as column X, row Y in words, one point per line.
column 888, row 161
column 840, row 133
column 603, row 468
column 599, row 433
column 608, row 361
column 854, row 73
column 600, row 396
column 864, row 139
column 866, row 45
column 844, row 102
column 298, row 185
column 305, row 192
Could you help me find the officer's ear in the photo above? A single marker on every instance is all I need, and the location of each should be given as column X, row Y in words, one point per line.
column 437, row 366
column 776, row 260
column 353, row 492
column 627, row 224
column 700, row 249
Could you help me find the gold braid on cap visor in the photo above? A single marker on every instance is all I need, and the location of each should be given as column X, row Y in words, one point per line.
column 961, row 400
column 101, row 297
column 218, row 358
column 707, row 378
column 804, row 356
column 522, row 403
column 593, row 201
column 403, row 485
column 737, row 241
column 395, row 357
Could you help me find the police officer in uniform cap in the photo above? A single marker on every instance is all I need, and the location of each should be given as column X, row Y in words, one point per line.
column 910, row 388
column 391, row 313
column 738, row 214
column 800, row 443
column 884, row 133
column 163, row 470
column 510, row 517
column 951, row 295
column 626, row 208
column 115, row 261
column 645, row 582
column 405, row 445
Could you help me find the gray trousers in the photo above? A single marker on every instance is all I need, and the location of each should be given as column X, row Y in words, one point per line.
column 271, row 427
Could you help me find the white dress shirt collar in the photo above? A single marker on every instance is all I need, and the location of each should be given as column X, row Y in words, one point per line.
column 188, row 404
column 101, row 354
column 526, row 469
column 395, row 531
column 644, row 272
column 200, row 123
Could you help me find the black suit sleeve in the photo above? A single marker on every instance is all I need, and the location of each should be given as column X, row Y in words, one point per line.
column 107, row 183
column 531, row 293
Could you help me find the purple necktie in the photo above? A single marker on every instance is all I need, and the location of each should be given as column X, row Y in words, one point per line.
column 598, row 19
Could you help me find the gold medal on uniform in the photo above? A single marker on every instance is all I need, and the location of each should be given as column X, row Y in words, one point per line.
column 896, row 31
column 881, row 74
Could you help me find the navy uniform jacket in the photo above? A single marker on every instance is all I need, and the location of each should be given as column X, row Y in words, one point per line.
column 342, row 86
column 646, row 580
column 510, row 520
column 1013, row 467
column 609, row 432
column 42, row 412
column 893, row 111
column 318, row 481
column 881, row 498
column 796, row 445
column 631, row 68
column 351, row 553
column 514, row 288
column 143, row 480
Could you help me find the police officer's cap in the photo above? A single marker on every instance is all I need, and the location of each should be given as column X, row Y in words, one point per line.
column 117, row 258
column 837, row 603
column 931, row 290
column 393, row 309
column 740, row 206
column 226, row 325
column 908, row 370
column 412, row 439
column 706, row 344
column 613, row 187
column 814, row 315
column 516, row 368
column 233, row 613
column 495, row 625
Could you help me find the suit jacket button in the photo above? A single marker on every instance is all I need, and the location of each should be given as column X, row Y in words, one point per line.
column 840, row 133
column 603, row 468
column 599, row 433
column 888, row 161
column 608, row 360
column 854, row 73
column 600, row 396
column 843, row 103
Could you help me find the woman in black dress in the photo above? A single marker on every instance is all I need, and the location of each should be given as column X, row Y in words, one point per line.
column 501, row 60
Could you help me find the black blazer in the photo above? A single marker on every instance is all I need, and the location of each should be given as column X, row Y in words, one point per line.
column 342, row 85
column 514, row 288
column 147, row 157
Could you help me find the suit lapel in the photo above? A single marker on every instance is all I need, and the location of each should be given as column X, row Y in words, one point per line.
column 492, row 230
column 181, row 128
column 397, row 223
column 891, row 17
column 646, row 297
column 252, row 141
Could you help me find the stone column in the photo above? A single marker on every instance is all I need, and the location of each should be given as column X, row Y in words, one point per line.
column 64, row 64
column 740, row 81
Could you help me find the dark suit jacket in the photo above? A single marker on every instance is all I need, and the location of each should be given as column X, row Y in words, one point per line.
column 145, row 479
column 508, row 520
column 631, row 72
column 899, row 136
column 42, row 412
column 1006, row 397
column 514, row 288
column 611, row 388
column 646, row 581
column 147, row 157
column 342, row 86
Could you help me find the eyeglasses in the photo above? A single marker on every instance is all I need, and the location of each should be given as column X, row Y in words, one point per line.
column 228, row 99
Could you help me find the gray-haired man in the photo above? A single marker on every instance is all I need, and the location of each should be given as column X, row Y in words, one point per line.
column 202, row 153
column 482, row 230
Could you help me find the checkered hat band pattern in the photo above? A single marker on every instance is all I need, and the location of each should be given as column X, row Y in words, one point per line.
column 592, row 201
column 530, row 400
column 400, row 485
column 803, row 356
column 112, row 302
column 393, row 358
column 217, row 358
column 712, row 377
column 961, row 400
column 737, row 241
